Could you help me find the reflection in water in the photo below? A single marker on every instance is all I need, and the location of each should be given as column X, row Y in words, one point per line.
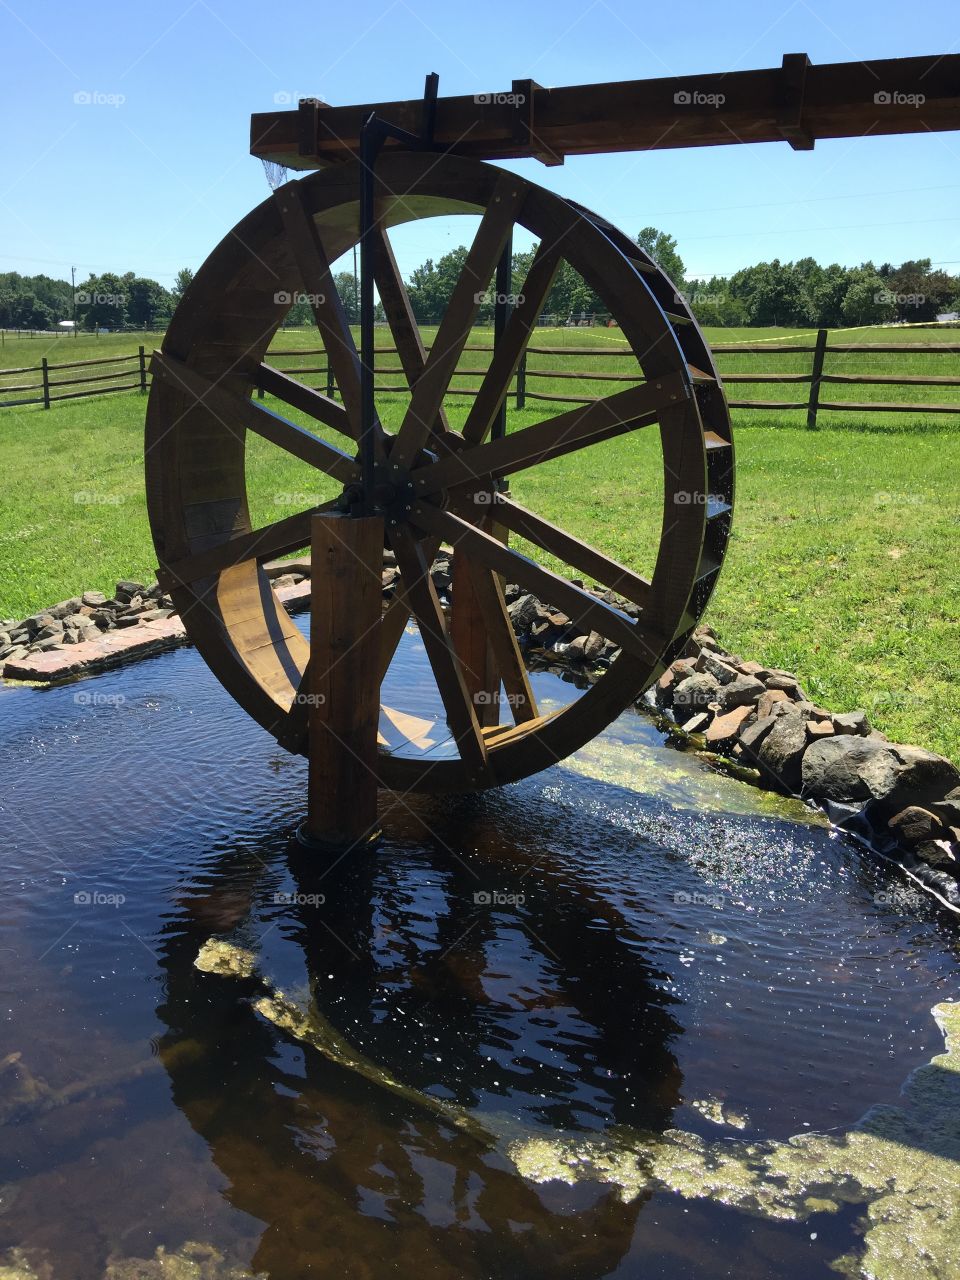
column 275, row 1112
column 583, row 961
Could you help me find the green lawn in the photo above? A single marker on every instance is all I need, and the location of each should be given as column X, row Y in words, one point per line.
column 842, row 565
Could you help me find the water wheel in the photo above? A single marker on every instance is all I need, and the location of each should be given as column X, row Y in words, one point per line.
column 439, row 489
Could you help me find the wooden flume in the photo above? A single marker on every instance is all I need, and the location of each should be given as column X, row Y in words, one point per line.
column 431, row 488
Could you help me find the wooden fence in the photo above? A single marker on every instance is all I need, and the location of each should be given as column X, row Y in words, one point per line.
column 133, row 376
column 131, row 373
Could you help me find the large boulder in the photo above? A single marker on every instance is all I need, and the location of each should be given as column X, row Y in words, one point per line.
column 899, row 776
column 831, row 768
column 744, row 691
column 782, row 750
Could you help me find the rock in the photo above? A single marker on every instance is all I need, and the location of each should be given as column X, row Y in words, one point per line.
column 694, row 693
column 37, row 622
column 936, row 853
column 66, row 607
column 5, row 640
column 151, row 615
column 768, row 699
column 949, row 807
column 721, row 671
column 53, row 628
column 284, row 580
column 15, row 654
column 785, row 681
column 127, row 589
column 574, row 649
column 753, row 734
column 697, row 723
column 832, row 768
column 663, row 690
column 442, row 575
column 128, row 620
column 782, row 750
column 104, row 618
column 914, row 824
column 594, row 646
column 752, row 668
column 744, row 691
column 726, row 727
column 819, row 729
column 523, row 613
column 898, row 776
column 851, row 722
column 389, row 576
column 49, row 642
column 93, row 598
column 68, row 637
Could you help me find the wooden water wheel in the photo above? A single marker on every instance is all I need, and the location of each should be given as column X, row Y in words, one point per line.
column 438, row 489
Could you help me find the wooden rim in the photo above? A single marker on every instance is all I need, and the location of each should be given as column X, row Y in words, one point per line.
column 200, row 410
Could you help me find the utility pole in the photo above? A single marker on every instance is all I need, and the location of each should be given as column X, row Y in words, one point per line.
column 73, row 286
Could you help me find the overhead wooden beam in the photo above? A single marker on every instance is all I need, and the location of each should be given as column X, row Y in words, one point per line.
column 796, row 102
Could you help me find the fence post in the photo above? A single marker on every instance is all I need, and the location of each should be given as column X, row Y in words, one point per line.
column 522, row 381
column 143, row 369
column 46, row 382
column 331, row 388
column 819, row 352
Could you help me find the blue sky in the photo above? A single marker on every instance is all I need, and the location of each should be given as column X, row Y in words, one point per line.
column 151, row 175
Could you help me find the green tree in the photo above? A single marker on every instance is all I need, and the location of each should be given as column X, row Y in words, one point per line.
column 183, row 278
column 146, row 301
column 102, row 302
column 868, row 299
column 662, row 248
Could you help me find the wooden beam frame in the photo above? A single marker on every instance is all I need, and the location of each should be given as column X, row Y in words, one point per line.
column 796, row 102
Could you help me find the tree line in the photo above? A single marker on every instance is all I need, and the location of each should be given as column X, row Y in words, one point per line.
column 801, row 293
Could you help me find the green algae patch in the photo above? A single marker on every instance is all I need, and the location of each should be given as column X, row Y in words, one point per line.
column 225, row 959
column 193, row 1261
column 901, row 1163
column 680, row 780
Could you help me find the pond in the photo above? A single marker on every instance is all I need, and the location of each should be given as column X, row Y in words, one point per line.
column 564, row 1029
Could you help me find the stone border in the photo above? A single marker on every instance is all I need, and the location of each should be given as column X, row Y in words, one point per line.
column 903, row 801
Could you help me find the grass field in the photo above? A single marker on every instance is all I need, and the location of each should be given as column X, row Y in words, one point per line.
column 842, row 567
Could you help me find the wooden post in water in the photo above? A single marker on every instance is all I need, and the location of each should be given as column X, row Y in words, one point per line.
column 342, row 688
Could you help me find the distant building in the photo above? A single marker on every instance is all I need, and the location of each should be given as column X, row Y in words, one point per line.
column 948, row 317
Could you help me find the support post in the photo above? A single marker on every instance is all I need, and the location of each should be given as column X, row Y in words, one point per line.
column 343, row 689
column 143, row 368
column 46, row 382
column 819, row 352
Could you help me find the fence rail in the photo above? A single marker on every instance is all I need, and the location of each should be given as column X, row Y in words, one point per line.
column 131, row 373
column 135, row 372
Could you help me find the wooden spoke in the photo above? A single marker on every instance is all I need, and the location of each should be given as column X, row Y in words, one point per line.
column 510, row 348
column 549, row 586
column 422, row 597
column 233, row 408
column 498, row 630
column 306, row 399
column 427, row 399
column 277, row 539
column 325, row 302
column 602, row 420
column 578, row 555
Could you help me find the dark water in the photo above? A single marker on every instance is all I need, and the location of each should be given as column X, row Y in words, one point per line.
column 571, row 952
